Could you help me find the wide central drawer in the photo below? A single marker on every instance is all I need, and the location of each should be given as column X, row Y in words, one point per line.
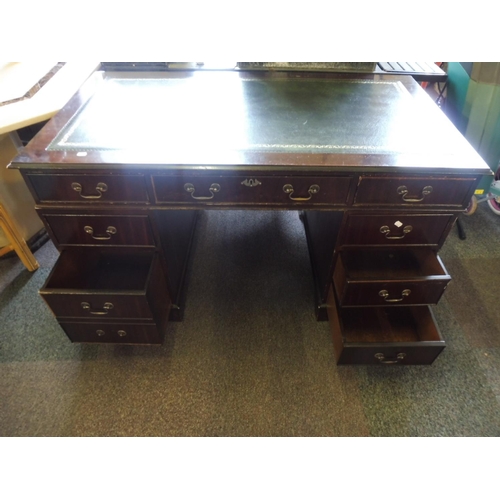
column 254, row 189
column 384, row 335
column 105, row 284
column 108, row 230
column 389, row 277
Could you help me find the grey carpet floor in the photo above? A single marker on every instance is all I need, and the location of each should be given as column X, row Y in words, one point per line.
column 250, row 359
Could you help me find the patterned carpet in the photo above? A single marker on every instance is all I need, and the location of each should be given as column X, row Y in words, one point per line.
column 250, row 359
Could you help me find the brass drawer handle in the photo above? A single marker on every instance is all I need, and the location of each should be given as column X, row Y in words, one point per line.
column 288, row 189
column 122, row 333
column 386, row 231
column 109, row 231
column 214, row 188
column 403, row 191
column 105, row 308
column 100, row 333
column 385, row 294
column 390, row 361
column 100, row 188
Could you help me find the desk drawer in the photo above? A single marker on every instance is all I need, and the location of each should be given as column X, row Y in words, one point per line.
column 384, row 335
column 413, row 192
column 88, row 188
column 114, row 333
column 389, row 277
column 108, row 230
column 426, row 229
column 255, row 190
column 106, row 284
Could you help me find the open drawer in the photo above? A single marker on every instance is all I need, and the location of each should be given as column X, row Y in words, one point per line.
column 104, row 284
column 389, row 277
column 384, row 335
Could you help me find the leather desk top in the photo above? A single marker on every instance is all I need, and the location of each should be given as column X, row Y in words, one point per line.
column 245, row 119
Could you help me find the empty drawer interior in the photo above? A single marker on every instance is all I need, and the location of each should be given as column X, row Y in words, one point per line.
column 100, row 269
column 375, row 264
column 386, row 324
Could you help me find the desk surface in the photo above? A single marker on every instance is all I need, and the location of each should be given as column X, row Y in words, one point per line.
column 244, row 120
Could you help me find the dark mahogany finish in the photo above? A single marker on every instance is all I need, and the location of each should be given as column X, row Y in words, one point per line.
column 370, row 161
column 396, row 229
column 114, row 333
column 409, row 276
column 109, row 230
column 88, row 188
column 412, row 192
column 251, row 190
column 384, row 335
column 101, row 286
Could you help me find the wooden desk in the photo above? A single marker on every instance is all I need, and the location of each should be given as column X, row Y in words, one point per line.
column 376, row 169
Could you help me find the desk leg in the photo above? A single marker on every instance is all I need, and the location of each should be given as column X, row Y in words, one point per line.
column 322, row 229
column 460, row 229
column 176, row 229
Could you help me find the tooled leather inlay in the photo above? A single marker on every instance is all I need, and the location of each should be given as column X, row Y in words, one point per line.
column 227, row 112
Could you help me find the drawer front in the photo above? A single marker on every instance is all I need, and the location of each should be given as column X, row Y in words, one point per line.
column 98, row 306
column 414, row 192
column 132, row 230
column 116, row 333
column 390, row 277
column 384, row 336
column 254, row 190
column 385, row 354
column 88, row 188
column 391, row 294
column 365, row 229
column 104, row 284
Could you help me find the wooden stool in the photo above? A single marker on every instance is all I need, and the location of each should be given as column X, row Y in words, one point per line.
column 17, row 242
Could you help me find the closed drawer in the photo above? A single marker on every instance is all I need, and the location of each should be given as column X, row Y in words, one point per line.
column 384, row 335
column 414, row 192
column 115, row 333
column 102, row 284
column 110, row 230
column 389, row 277
column 255, row 190
column 88, row 188
column 422, row 229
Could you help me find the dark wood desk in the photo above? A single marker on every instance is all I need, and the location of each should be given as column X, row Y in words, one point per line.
column 377, row 171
